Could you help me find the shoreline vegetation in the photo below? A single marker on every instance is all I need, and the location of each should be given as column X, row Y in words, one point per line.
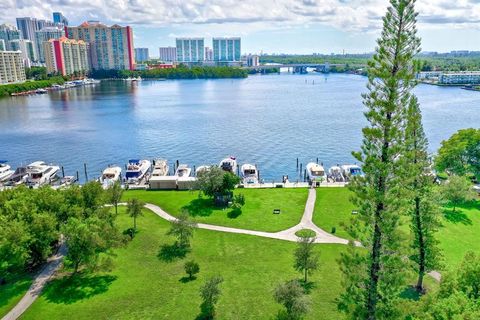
column 9, row 89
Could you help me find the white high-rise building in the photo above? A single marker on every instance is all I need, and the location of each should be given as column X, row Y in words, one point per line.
column 168, row 54
column 190, row 50
column 227, row 49
column 44, row 35
column 12, row 69
column 141, row 55
column 26, row 48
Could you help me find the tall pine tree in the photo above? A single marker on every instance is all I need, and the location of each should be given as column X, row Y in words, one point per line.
column 374, row 280
column 420, row 205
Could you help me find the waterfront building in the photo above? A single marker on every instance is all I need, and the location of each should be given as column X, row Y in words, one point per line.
column 66, row 56
column 12, row 69
column 190, row 50
column 59, row 18
column 2, row 45
column 168, row 54
column 460, row 78
column 253, row 60
column 141, row 55
column 7, row 34
column 110, row 47
column 208, row 54
column 226, row 49
column 44, row 35
column 27, row 49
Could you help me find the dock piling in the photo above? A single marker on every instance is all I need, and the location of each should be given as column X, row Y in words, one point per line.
column 78, row 176
column 85, row 169
column 297, row 164
column 300, row 171
column 63, row 172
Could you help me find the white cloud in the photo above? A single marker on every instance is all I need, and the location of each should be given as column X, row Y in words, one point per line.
column 350, row 15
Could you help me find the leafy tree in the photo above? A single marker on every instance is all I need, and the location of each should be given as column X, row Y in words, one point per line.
column 420, row 205
column 469, row 276
column 210, row 293
column 114, row 194
column 93, row 197
column 134, row 210
column 216, row 182
column 14, row 251
column 182, row 228
column 460, row 154
column 373, row 281
column 457, row 190
column 191, row 268
column 293, row 298
column 306, row 260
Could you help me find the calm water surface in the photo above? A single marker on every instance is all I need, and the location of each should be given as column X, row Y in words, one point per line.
column 266, row 120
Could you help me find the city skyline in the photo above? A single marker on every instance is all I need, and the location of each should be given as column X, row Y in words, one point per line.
column 285, row 26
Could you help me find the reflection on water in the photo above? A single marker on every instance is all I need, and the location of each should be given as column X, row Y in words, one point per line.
column 266, row 120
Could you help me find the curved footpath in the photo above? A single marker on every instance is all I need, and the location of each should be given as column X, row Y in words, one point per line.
column 54, row 262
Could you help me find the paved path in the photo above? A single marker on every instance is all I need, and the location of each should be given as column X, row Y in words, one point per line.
column 53, row 264
column 288, row 235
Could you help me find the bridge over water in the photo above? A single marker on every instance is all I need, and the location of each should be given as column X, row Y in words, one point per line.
column 296, row 67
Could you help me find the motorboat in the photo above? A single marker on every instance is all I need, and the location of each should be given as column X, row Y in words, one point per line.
column 183, row 171
column 64, row 182
column 316, row 173
column 249, row 174
column 202, row 169
column 136, row 170
column 18, row 177
column 229, row 164
column 41, row 91
column 335, row 174
column 5, row 171
column 351, row 170
column 39, row 173
column 110, row 175
column 160, row 168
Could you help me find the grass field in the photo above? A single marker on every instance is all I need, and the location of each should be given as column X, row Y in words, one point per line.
column 257, row 214
column 13, row 291
column 332, row 208
column 144, row 286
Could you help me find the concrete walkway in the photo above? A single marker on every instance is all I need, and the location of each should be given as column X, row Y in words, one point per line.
column 288, row 235
column 53, row 264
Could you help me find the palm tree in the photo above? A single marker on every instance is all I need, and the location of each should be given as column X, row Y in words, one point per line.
column 134, row 210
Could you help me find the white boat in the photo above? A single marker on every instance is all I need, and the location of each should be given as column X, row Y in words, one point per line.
column 202, row 169
column 41, row 91
column 351, row 170
column 335, row 174
column 183, row 171
column 249, row 174
column 5, row 171
column 110, row 175
column 160, row 168
column 136, row 170
column 316, row 173
column 229, row 165
column 64, row 182
column 39, row 173
column 19, row 176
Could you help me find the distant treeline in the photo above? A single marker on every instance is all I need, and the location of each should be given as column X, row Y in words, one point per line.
column 181, row 72
column 441, row 62
column 8, row 89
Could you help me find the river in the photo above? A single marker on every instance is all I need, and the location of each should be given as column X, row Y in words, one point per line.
column 267, row 120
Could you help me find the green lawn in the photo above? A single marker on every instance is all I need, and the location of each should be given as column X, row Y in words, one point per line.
column 332, row 208
column 257, row 214
column 460, row 232
column 144, row 286
column 13, row 291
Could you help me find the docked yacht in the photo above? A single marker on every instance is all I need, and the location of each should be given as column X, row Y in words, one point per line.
column 249, row 174
column 316, row 173
column 183, row 171
column 5, row 171
column 351, row 170
column 39, row 173
column 109, row 176
column 18, row 177
column 335, row 174
column 64, row 182
column 229, row 165
column 160, row 168
column 136, row 170
column 201, row 170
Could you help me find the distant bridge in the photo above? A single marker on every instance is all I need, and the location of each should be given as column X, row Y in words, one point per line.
column 296, row 67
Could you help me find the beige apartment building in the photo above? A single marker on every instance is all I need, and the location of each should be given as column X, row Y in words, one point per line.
column 12, row 69
column 66, row 56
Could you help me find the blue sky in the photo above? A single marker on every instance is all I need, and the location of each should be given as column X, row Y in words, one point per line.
column 280, row 26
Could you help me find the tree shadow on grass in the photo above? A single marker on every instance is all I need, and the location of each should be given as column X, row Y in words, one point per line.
column 457, row 217
column 307, row 286
column 69, row 290
column 169, row 253
column 234, row 213
column 187, row 279
column 410, row 293
column 207, row 312
column 200, row 207
column 15, row 285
